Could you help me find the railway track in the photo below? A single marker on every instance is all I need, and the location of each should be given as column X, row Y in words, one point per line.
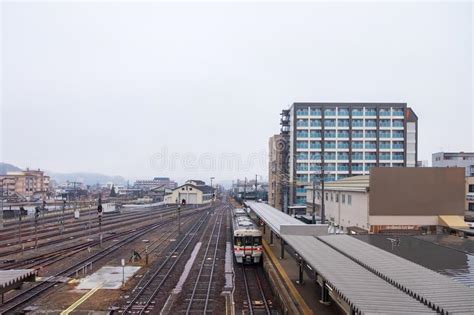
column 204, row 292
column 28, row 222
column 143, row 296
column 257, row 302
column 52, row 228
column 43, row 260
column 14, row 303
column 107, row 227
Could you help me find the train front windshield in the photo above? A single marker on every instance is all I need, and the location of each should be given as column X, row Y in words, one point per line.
column 248, row 241
column 238, row 241
column 257, row 241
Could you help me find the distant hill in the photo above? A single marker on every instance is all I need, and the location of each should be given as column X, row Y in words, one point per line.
column 86, row 178
column 5, row 167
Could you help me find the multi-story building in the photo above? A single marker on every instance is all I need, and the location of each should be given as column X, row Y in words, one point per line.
column 24, row 184
column 276, row 171
column 155, row 182
column 455, row 159
column 346, row 139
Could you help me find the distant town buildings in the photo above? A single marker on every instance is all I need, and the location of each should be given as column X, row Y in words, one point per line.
column 455, row 159
column 345, row 139
column 155, row 182
column 24, row 185
column 243, row 189
column 395, row 200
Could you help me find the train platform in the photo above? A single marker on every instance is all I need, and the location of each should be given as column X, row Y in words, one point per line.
column 304, row 295
column 320, row 269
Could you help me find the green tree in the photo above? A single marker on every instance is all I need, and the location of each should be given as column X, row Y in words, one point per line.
column 112, row 191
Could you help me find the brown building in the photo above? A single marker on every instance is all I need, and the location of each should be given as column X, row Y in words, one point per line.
column 276, row 174
column 24, row 184
column 396, row 199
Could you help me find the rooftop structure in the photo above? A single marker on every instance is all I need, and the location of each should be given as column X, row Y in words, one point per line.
column 411, row 200
column 190, row 194
column 365, row 279
column 455, row 159
column 155, row 182
column 24, row 184
column 11, row 279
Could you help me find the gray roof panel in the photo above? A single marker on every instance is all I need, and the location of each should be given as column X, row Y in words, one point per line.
column 272, row 216
column 364, row 291
column 428, row 286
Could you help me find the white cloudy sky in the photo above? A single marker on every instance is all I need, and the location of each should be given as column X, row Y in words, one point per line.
column 123, row 88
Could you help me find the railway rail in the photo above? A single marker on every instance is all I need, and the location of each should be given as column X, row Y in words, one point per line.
column 107, row 227
column 203, row 293
column 46, row 259
column 10, row 306
column 257, row 302
column 145, row 292
column 70, row 224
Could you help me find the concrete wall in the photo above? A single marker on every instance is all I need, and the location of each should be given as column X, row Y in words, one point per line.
column 345, row 214
column 417, row 191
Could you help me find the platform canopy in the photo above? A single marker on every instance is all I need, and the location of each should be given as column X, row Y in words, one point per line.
column 364, row 291
column 272, row 217
column 10, row 279
column 427, row 286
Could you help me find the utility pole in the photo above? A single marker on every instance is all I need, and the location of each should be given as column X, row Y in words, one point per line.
column 179, row 219
column 37, row 213
column 322, row 196
column 245, row 187
column 256, row 188
column 314, row 200
column 99, row 212
column 19, row 225
column 62, row 216
column 1, row 209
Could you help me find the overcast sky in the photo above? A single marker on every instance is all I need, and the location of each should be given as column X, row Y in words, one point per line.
column 179, row 89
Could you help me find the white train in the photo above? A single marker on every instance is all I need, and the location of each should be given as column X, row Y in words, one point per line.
column 247, row 238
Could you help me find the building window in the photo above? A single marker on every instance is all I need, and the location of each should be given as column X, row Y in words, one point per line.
column 332, row 198
column 471, row 188
column 337, row 197
column 349, row 199
column 471, row 206
column 343, row 198
column 327, row 197
column 343, row 112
